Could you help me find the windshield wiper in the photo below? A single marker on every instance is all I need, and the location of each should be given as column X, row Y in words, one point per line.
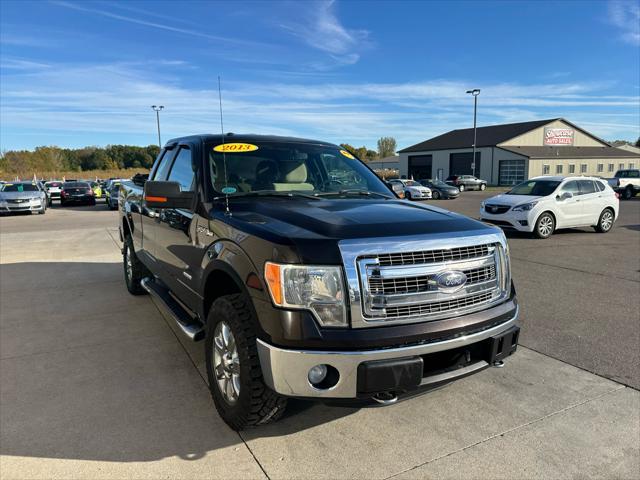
column 366, row 193
column 266, row 193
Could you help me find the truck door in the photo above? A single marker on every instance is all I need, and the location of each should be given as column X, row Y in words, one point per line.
column 175, row 248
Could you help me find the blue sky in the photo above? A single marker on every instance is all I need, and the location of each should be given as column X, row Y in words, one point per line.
column 85, row 73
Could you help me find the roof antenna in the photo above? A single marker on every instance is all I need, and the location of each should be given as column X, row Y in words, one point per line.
column 225, row 190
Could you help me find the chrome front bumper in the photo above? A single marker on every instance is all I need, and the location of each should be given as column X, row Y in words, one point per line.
column 285, row 371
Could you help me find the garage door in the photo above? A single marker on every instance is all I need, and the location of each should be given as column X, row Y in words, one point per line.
column 511, row 172
column 460, row 163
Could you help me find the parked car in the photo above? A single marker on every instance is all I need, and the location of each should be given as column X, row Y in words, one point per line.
column 77, row 192
column 111, row 196
column 54, row 188
column 626, row 183
column 466, row 182
column 97, row 189
column 439, row 189
column 112, row 182
column 302, row 287
column 545, row 204
column 22, row 197
column 412, row 189
column 396, row 187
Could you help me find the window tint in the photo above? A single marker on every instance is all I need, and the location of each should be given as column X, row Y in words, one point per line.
column 163, row 167
column 586, row 186
column 634, row 173
column 572, row 187
column 182, row 172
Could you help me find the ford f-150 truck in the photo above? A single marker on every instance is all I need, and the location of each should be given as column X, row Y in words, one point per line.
column 306, row 277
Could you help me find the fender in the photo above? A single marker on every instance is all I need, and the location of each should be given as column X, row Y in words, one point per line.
column 228, row 257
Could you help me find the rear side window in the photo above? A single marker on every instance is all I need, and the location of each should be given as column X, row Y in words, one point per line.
column 182, row 171
column 163, row 167
column 634, row 173
column 586, row 187
column 600, row 186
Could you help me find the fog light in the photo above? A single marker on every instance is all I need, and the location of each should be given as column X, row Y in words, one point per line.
column 317, row 374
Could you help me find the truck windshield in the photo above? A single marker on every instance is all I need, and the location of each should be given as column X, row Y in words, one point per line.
column 289, row 167
column 536, row 188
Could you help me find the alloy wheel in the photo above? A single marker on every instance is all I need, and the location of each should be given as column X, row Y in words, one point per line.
column 606, row 221
column 226, row 363
column 545, row 226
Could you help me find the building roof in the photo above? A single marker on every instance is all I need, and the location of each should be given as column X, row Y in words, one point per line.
column 629, row 148
column 571, row 152
column 485, row 136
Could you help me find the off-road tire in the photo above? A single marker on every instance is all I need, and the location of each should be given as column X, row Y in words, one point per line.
column 603, row 226
column 138, row 270
column 257, row 404
column 461, row 187
column 543, row 233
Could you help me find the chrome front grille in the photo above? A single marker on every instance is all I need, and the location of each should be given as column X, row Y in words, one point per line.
column 437, row 307
column 424, row 283
column 433, row 256
column 411, row 286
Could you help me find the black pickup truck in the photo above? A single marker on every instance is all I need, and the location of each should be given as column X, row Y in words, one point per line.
column 306, row 277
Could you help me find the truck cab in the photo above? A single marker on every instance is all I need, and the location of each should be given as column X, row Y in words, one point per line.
column 305, row 276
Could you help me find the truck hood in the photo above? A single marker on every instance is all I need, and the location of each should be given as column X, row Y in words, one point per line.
column 316, row 226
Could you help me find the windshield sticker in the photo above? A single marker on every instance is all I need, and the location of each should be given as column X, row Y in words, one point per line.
column 229, row 190
column 235, row 147
column 347, row 154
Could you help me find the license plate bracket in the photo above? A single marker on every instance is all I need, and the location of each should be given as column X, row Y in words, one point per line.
column 503, row 345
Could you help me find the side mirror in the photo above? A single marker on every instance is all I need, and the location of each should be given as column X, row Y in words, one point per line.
column 167, row 195
column 565, row 196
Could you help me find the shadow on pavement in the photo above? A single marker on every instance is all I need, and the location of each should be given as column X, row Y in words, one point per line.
column 89, row 372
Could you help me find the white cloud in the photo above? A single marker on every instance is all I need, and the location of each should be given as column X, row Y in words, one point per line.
column 112, row 100
column 626, row 16
column 317, row 24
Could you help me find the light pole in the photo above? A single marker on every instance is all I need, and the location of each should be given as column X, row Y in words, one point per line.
column 157, row 110
column 475, row 92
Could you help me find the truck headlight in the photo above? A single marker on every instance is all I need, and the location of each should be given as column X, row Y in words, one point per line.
column 319, row 289
column 524, row 207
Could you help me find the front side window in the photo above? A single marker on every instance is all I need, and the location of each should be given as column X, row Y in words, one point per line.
column 163, row 167
column 288, row 167
column 571, row 187
column 182, row 170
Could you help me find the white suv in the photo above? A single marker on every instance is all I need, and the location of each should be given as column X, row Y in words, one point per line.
column 544, row 204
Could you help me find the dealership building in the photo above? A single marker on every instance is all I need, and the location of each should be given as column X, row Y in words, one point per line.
column 511, row 153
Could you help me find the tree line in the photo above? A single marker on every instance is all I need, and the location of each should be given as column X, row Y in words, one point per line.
column 55, row 159
column 386, row 148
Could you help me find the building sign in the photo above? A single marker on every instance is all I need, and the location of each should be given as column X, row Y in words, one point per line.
column 558, row 136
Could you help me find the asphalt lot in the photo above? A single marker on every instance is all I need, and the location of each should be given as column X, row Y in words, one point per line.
column 94, row 383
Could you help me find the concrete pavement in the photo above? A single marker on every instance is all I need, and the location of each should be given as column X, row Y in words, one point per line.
column 94, row 383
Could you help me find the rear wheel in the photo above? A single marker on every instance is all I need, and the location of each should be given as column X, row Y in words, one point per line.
column 628, row 193
column 461, row 187
column 134, row 270
column 436, row 195
column 605, row 222
column 233, row 367
column 483, row 186
column 545, row 225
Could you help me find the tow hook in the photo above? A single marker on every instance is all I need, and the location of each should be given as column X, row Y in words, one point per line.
column 385, row 398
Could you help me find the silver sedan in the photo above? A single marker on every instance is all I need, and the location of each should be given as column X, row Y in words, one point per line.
column 22, row 197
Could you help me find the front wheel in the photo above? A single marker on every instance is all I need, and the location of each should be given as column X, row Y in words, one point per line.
column 545, row 225
column 483, row 186
column 407, row 195
column 461, row 187
column 605, row 222
column 233, row 368
column 435, row 195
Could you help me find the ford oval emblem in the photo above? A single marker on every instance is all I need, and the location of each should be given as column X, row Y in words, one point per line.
column 451, row 281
